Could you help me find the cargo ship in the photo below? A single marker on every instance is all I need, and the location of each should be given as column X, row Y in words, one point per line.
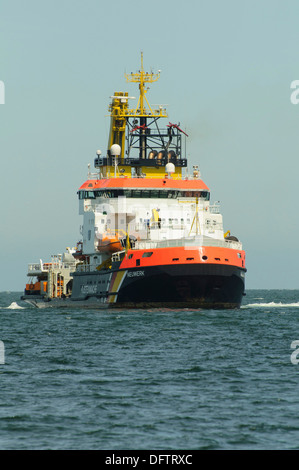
column 151, row 238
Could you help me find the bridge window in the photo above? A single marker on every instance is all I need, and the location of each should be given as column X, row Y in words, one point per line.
column 144, row 193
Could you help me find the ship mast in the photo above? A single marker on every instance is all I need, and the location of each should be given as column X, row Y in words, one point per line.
column 141, row 111
column 143, row 78
column 149, row 148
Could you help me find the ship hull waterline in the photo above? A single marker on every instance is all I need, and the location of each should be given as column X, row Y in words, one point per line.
column 199, row 286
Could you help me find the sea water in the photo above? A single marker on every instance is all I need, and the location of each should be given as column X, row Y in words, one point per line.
column 151, row 379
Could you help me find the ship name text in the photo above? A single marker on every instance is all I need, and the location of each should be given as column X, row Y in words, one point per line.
column 89, row 289
column 135, row 273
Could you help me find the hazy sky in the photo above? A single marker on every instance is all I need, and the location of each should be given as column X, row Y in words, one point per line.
column 227, row 67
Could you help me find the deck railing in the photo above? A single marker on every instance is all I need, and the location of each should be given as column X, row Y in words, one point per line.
column 37, row 268
column 189, row 242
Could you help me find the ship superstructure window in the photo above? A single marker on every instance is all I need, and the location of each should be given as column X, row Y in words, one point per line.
column 144, row 193
column 147, row 254
column 86, row 194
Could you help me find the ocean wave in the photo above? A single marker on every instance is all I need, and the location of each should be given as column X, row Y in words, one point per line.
column 14, row 306
column 272, row 305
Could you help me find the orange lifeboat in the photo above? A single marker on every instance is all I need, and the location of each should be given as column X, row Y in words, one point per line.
column 109, row 243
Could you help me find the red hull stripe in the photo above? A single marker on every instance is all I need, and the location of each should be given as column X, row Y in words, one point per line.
column 184, row 255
